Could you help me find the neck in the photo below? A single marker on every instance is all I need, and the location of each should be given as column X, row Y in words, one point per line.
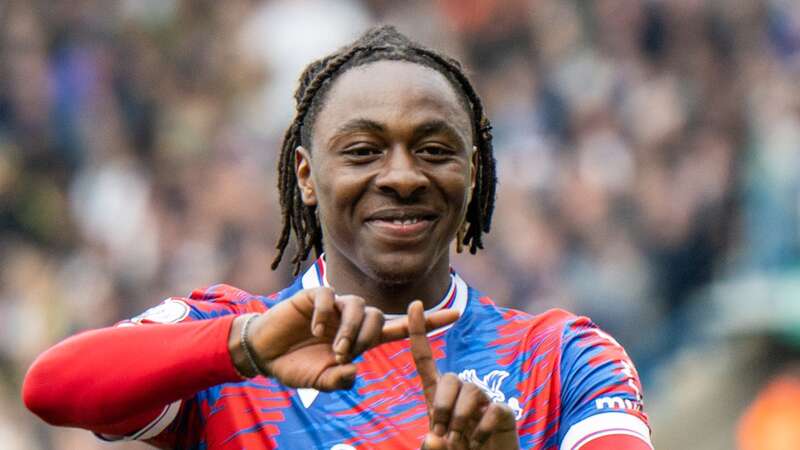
column 391, row 296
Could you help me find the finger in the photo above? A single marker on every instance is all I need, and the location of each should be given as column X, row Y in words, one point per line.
column 324, row 313
column 499, row 424
column 336, row 377
column 421, row 351
column 468, row 409
column 351, row 308
column 447, row 390
column 471, row 428
column 397, row 329
column 370, row 333
column 433, row 442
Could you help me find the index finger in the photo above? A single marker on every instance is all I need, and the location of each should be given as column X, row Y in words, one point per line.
column 421, row 350
column 396, row 329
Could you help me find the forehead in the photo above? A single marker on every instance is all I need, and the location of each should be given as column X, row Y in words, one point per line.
column 393, row 93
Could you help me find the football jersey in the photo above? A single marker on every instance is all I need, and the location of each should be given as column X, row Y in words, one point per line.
column 565, row 380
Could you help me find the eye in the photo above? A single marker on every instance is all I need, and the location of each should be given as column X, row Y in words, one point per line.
column 362, row 152
column 435, row 152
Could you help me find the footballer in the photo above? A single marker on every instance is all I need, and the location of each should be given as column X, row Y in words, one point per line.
column 379, row 343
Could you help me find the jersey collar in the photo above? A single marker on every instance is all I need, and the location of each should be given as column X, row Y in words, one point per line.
column 455, row 298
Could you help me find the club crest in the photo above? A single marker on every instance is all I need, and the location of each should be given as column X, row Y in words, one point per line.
column 490, row 384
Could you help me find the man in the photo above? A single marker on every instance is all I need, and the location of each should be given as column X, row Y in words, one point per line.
column 389, row 159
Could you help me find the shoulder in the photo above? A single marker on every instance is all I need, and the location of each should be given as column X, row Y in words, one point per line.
column 237, row 300
column 518, row 335
column 553, row 323
column 587, row 369
column 225, row 294
column 565, row 337
column 206, row 303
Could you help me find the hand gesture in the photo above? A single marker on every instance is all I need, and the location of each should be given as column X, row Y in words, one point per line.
column 310, row 339
column 461, row 415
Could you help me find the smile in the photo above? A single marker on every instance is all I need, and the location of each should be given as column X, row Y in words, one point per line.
column 405, row 230
column 402, row 225
column 406, row 221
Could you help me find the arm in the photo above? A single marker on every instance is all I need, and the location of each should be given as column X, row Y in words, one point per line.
column 114, row 381
column 117, row 380
column 127, row 382
column 601, row 394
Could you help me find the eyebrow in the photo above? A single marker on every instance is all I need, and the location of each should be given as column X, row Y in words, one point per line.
column 425, row 129
column 357, row 125
column 436, row 127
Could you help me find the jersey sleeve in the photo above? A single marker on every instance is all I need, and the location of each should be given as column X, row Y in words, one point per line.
column 601, row 394
column 178, row 424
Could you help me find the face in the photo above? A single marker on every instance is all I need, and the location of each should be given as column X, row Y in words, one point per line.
column 390, row 170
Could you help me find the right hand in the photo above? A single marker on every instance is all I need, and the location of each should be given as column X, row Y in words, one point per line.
column 460, row 414
column 310, row 339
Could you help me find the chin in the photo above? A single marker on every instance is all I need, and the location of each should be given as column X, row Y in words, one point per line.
column 394, row 270
column 394, row 277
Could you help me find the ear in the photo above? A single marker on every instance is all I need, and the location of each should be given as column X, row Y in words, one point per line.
column 473, row 167
column 305, row 182
column 473, row 172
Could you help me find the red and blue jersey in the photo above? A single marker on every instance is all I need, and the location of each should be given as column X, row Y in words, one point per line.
column 566, row 380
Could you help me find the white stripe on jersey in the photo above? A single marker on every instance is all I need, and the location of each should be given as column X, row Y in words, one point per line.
column 151, row 430
column 605, row 424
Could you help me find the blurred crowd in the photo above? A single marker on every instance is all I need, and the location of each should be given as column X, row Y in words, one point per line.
column 647, row 150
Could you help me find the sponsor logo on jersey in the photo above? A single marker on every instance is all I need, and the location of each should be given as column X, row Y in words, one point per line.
column 617, row 403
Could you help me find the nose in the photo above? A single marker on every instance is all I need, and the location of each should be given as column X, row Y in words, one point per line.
column 401, row 175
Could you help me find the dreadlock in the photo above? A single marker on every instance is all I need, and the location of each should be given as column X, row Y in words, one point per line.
column 379, row 43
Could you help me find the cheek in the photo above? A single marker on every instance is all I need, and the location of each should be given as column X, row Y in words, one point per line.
column 341, row 190
column 456, row 187
column 336, row 197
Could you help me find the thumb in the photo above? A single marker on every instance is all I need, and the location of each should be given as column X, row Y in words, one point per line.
column 337, row 377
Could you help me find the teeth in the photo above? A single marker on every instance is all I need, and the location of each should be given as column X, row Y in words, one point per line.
column 405, row 221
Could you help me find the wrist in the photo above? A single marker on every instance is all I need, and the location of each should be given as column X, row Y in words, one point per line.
column 238, row 351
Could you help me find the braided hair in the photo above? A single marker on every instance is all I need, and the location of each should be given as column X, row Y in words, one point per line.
column 377, row 44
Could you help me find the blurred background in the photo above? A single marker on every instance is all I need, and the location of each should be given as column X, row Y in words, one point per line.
column 649, row 164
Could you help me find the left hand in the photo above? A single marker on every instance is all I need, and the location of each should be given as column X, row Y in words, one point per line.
column 461, row 415
column 310, row 339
